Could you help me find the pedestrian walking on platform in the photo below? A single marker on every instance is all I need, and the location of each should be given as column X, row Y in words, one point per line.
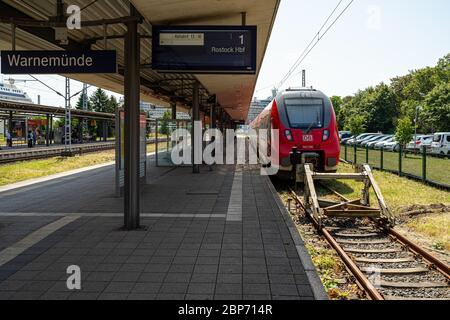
column 8, row 139
column 30, row 139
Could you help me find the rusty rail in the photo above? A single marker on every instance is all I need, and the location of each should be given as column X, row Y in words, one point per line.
column 353, row 268
column 363, row 281
column 440, row 265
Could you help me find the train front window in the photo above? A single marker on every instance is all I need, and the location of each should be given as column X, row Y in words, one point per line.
column 305, row 113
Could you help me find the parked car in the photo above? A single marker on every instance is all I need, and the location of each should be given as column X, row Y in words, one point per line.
column 383, row 139
column 367, row 139
column 422, row 140
column 381, row 144
column 392, row 146
column 441, row 144
column 346, row 140
column 375, row 138
column 344, row 134
column 361, row 138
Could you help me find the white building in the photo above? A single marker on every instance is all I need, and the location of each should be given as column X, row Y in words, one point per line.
column 257, row 106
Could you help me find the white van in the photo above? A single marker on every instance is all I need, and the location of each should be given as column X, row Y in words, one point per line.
column 441, row 144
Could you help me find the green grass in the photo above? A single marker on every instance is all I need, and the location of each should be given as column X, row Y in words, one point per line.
column 398, row 192
column 438, row 169
column 435, row 226
column 25, row 170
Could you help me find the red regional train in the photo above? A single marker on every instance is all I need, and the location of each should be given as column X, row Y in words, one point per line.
column 306, row 120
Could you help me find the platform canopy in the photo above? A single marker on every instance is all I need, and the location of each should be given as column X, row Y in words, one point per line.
column 234, row 92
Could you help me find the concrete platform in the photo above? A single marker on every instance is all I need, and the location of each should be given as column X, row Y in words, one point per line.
column 222, row 234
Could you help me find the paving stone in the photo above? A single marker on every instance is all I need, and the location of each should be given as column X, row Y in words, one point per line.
column 84, row 296
column 119, row 287
column 229, row 278
column 256, row 289
column 227, row 288
column 146, row 287
column 94, row 286
column 206, row 268
column 101, row 276
column 170, row 296
column 27, row 295
column 305, row 290
column 203, row 278
column 142, row 296
column 175, row 258
column 181, row 268
column 227, row 297
column 12, row 285
column 255, row 278
column 284, row 289
column 179, row 288
column 157, row 268
column 152, row 277
column 178, row 278
column 127, row 276
column 55, row 296
column 201, row 288
column 132, row 267
column 113, row 296
column 255, row 297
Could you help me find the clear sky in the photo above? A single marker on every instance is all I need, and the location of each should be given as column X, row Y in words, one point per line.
column 373, row 41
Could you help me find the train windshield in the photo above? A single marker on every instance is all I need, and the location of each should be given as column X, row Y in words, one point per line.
column 305, row 113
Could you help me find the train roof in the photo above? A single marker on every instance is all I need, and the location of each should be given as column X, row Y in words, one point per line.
column 303, row 93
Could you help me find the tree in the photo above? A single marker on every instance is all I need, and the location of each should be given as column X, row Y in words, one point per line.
column 112, row 105
column 436, row 114
column 337, row 104
column 165, row 123
column 404, row 132
column 356, row 125
column 99, row 101
column 80, row 105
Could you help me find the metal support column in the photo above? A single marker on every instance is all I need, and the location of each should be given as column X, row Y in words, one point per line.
column 214, row 116
column 195, row 118
column 10, row 128
column 132, row 127
column 47, row 131
column 68, row 121
column 105, row 130
column 51, row 130
column 174, row 110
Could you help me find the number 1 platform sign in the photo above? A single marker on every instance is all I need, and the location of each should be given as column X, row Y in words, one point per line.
column 205, row 49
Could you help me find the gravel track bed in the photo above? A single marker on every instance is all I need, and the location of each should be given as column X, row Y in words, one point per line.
column 361, row 226
column 428, row 293
column 395, row 255
column 393, row 265
column 431, row 276
column 364, row 246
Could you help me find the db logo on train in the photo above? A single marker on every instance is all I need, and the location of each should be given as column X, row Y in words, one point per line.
column 308, row 138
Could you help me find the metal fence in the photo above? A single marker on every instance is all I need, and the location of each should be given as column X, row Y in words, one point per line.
column 419, row 165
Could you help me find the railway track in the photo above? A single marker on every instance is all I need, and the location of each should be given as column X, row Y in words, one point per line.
column 385, row 264
column 43, row 153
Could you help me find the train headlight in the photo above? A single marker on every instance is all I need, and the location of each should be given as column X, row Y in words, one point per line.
column 326, row 135
column 288, row 135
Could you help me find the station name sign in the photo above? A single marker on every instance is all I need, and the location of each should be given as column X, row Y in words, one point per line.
column 205, row 49
column 54, row 62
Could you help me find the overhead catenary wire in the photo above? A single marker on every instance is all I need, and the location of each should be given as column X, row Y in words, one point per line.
column 326, row 31
column 311, row 45
column 316, row 36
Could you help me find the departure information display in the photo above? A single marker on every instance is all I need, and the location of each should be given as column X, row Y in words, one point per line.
column 205, row 49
